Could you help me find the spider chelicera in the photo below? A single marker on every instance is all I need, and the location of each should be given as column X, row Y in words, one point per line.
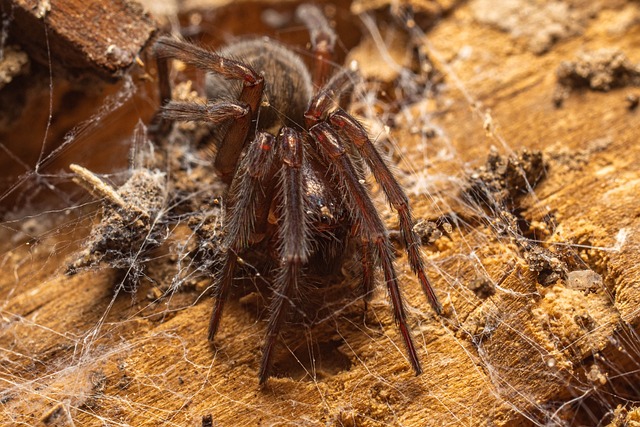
column 291, row 157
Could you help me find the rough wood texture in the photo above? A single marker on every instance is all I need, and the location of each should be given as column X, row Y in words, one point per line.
column 80, row 37
column 565, row 353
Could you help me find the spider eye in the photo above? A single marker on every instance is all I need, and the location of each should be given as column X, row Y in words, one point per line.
column 325, row 214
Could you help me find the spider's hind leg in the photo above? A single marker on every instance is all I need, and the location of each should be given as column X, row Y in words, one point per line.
column 323, row 40
column 160, row 126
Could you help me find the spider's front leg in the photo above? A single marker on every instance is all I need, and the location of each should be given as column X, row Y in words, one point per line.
column 211, row 112
column 293, row 238
column 321, row 110
column 238, row 113
column 355, row 134
column 251, row 95
column 329, row 96
column 371, row 228
column 247, row 206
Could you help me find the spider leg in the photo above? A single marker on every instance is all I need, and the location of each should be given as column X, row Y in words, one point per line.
column 212, row 112
column 371, row 226
column 368, row 266
column 323, row 40
column 253, row 84
column 164, row 83
column 243, row 208
column 293, row 249
column 355, row 133
column 368, row 262
column 329, row 96
column 160, row 125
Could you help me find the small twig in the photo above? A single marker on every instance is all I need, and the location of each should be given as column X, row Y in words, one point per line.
column 97, row 187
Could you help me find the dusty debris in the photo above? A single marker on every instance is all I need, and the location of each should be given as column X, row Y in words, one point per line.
column 482, row 287
column 129, row 227
column 549, row 266
column 633, row 99
column 498, row 186
column 600, row 70
column 145, row 213
column 564, row 159
column 504, row 179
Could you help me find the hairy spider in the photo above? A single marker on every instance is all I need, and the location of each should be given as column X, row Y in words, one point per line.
column 290, row 154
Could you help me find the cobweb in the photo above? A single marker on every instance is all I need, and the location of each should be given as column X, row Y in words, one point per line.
column 110, row 243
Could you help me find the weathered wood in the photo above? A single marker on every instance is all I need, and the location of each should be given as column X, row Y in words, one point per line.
column 80, row 37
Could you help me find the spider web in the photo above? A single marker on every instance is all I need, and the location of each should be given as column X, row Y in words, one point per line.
column 539, row 286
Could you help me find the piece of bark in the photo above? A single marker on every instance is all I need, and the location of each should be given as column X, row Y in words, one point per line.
column 79, row 37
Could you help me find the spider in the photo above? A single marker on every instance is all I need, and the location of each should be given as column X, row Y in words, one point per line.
column 292, row 158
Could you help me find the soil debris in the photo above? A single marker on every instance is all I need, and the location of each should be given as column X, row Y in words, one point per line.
column 633, row 99
column 129, row 227
column 482, row 287
column 549, row 266
column 599, row 70
column 503, row 180
column 498, row 187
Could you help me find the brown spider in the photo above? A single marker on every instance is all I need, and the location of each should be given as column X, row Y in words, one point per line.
column 291, row 157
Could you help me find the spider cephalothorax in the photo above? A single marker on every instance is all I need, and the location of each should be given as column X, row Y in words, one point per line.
column 292, row 157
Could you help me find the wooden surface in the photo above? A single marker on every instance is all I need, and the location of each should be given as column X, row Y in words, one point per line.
column 102, row 38
column 565, row 353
